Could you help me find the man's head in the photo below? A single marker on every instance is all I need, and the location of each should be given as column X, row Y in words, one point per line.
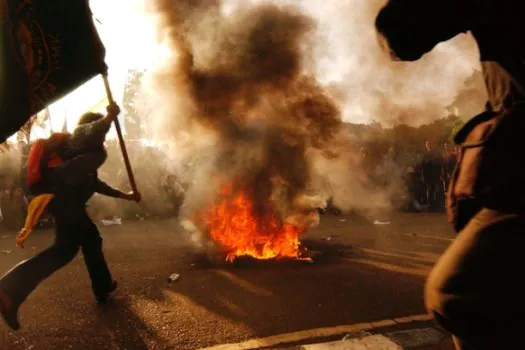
column 89, row 117
column 410, row 28
column 87, row 135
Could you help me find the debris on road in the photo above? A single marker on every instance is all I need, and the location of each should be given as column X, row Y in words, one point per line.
column 360, row 334
column 342, row 220
column 173, row 277
column 377, row 222
column 327, row 238
column 112, row 222
column 6, row 252
column 6, row 236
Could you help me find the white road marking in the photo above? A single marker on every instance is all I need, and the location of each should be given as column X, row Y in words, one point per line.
column 367, row 343
column 301, row 336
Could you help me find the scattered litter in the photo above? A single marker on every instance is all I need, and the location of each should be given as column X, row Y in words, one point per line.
column 360, row 334
column 327, row 238
column 6, row 252
column 377, row 222
column 114, row 221
column 6, row 236
column 173, row 277
column 342, row 220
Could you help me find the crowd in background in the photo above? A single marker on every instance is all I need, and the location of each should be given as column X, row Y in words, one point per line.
column 390, row 157
column 424, row 174
column 161, row 190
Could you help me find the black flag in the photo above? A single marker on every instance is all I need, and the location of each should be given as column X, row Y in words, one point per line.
column 49, row 48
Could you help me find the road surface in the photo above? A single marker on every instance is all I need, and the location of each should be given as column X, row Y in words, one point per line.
column 363, row 273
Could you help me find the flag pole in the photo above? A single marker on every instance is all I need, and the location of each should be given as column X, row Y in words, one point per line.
column 120, row 137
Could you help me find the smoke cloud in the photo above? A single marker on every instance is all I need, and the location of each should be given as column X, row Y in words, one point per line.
column 374, row 88
column 256, row 93
column 240, row 83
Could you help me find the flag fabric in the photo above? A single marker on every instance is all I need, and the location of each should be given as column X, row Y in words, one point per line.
column 49, row 48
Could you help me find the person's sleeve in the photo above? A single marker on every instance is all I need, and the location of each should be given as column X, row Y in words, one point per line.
column 105, row 189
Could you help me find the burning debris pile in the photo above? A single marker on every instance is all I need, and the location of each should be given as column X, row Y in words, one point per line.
column 234, row 224
column 239, row 81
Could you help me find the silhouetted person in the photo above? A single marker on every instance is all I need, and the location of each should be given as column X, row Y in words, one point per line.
column 450, row 156
column 78, row 181
column 432, row 174
column 475, row 291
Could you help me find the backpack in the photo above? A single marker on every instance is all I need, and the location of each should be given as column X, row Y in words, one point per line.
column 42, row 150
column 489, row 172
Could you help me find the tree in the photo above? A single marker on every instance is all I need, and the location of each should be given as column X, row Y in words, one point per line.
column 133, row 121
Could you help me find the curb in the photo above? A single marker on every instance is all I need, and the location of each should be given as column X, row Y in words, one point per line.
column 411, row 332
column 415, row 339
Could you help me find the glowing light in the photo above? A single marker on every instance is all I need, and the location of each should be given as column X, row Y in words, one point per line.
column 233, row 223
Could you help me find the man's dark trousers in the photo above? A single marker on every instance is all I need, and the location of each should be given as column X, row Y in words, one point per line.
column 475, row 291
column 74, row 230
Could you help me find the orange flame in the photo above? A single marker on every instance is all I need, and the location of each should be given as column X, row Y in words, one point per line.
column 233, row 224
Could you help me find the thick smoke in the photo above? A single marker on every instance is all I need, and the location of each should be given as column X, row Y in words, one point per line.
column 344, row 56
column 373, row 88
column 239, row 88
column 255, row 93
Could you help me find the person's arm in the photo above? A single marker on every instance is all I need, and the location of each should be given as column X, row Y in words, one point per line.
column 106, row 190
column 102, row 126
column 94, row 132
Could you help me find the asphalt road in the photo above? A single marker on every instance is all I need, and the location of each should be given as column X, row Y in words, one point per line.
column 362, row 272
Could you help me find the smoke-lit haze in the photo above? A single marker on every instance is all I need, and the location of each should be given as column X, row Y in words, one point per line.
column 254, row 92
column 368, row 85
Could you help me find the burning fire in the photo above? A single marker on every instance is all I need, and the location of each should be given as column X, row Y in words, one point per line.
column 233, row 223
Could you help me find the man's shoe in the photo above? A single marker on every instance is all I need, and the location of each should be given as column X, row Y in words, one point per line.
column 103, row 298
column 9, row 311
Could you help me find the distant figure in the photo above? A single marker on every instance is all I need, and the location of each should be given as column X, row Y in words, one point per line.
column 175, row 192
column 431, row 169
column 450, row 155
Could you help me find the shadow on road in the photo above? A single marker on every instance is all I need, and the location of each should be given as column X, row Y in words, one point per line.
column 361, row 272
column 344, row 285
column 119, row 327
